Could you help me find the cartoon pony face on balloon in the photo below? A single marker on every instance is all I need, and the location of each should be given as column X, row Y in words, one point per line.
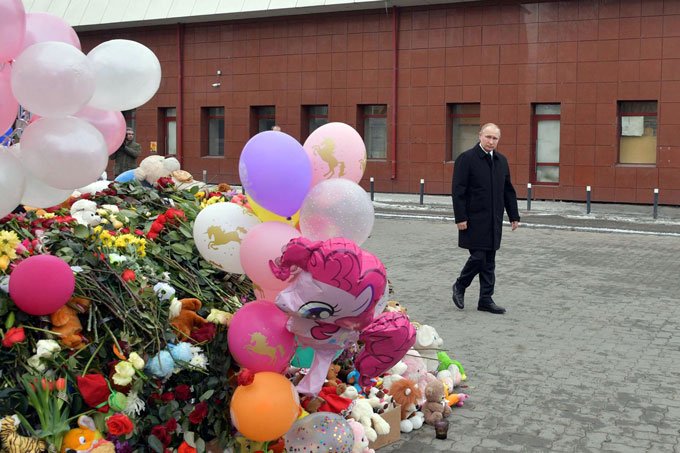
column 338, row 283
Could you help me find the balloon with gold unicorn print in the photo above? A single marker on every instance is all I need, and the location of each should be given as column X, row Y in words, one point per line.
column 218, row 232
column 336, row 150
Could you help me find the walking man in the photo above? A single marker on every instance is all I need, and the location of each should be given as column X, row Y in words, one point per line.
column 481, row 190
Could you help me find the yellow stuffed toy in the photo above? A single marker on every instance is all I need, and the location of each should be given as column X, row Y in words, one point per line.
column 65, row 322
column 86, row 439
column 187, row 320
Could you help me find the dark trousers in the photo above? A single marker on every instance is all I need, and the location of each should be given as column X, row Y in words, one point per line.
column 482, row 262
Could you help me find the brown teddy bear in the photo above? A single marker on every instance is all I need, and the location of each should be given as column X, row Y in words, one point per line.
column 435, row 408
column 187, row 320
column 66, row 323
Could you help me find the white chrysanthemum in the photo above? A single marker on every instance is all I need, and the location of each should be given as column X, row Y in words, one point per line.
column 135, row 405
column 164, row 291
column 199, row 361
column 115, row 258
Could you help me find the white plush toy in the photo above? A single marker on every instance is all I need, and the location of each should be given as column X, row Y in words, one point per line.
column 394, row 374
column 428, row 343
column 85, row 212
column 360, row 439
column 154, row 167
column 374, row 424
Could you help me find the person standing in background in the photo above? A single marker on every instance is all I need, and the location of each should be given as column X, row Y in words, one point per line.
column 125, row 157
column 481, row 190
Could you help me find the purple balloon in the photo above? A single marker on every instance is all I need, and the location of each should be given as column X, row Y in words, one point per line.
column 276, row 172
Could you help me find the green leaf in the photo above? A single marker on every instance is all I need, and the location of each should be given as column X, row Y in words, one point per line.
column 155, row 443
column 81, row 231
column 207, row 395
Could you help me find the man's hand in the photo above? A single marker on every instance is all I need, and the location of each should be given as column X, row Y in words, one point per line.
column 514, row 225
column 462, row 225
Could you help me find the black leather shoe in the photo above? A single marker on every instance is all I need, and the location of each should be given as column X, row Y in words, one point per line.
column 491, row 307
column 458, row 296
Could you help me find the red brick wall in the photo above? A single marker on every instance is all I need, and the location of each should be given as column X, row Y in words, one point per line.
column 586, row 55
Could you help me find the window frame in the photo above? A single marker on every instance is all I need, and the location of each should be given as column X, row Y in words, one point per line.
column 535, row 119
column 206, row 117
column 257, row 114
column 362, row 116
column 305, row 119
column 620, row 115
column 451, row 117
column 163, row 121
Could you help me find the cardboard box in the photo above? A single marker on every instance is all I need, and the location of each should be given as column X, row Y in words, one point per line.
column 393, row 418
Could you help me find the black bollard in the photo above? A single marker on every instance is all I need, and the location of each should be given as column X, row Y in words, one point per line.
column 422, row 190
column 656, row 203
column 528, row 196
column 587, row 199
column 372, row 188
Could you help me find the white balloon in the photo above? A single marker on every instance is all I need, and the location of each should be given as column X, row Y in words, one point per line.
column 37, row 194
column 218, row 231
column 64, row 153
column 52, row 79
column 337, row 208
column 12, row 182
column 128, row 74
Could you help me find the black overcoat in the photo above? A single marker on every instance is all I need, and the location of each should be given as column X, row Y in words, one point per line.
column 480, row 199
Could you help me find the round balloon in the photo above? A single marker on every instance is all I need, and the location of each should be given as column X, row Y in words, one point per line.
column 336, row 150
column 264, row 243
column 8, row 105
column 268, row 216
column 258, row 338
column 111, row 125
column 128, row 74
column 65, row 153
column 41, row 284
column 337, row 208
column 42, row 27
column 218, row 231
column 12, row 182
column 275, row 172
column 320, row 432
column 265, row 409
column 12, row 28
column 52, row 79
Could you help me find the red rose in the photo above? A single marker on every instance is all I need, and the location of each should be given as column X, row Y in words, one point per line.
column 171, row 425
column 156, row 227
column 119, row 425
column 185, row 448
column 13, row 336
column 162, row 434
column 199, row 413
column 182, row 392
column 151, row 235
column 128, row 275
column 95, row 391
column 204, row 333
column 167, row 397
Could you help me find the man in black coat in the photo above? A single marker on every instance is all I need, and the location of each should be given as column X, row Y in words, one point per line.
column 481, row 190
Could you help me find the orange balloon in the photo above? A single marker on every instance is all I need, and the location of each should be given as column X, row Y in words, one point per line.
column 266, row 409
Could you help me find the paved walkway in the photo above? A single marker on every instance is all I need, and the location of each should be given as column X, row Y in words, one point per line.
column 587, row 359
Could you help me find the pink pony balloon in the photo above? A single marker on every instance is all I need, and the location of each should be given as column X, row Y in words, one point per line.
column 331, row 300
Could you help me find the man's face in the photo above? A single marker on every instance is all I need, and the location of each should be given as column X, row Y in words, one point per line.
column 129, row 135
column 489, row 138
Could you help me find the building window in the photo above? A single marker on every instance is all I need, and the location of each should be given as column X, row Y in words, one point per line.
column 545, row 127
column 463, row 129
column 313, row 116
column 131, row 118
column 637, row 132
column 212, row 128
column 373, row 124
column 168, row 131
column 262, row 119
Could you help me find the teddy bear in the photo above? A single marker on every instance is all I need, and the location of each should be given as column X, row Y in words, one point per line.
column 184, row 180
column 66, row 324
column 428, row 343
column 435, row 408
column 374, row 424
column 152, row 168
column 86, row 439
column 360, row 439
column 416, row 370
column 185, row 320
column 406, row 393
column 85, row 212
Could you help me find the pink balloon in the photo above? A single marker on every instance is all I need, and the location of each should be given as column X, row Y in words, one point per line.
column 258, row 338
column 42, row 27
column 110, row 124
column 12, row 28
column 265, row 293
column 263, row 243
column 41, row 284
column 8, row 105
column 336, row 150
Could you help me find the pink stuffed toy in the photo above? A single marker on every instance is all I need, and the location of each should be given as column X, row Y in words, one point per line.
column 360, row 440
column 333, row 301
column 416, row 371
